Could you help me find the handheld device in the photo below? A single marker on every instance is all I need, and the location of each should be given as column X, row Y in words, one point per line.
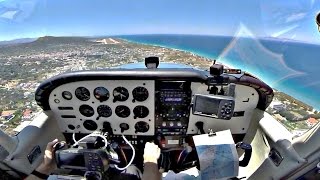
column 215, row 106
column 82, row 159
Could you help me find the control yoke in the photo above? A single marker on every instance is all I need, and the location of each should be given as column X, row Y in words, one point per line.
column 247, row 153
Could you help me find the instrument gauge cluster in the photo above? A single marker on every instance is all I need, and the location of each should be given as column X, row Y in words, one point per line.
column 104, row 111
column 140, row 112
column 120, row 94
column 140, row 94
column 101, row 94
column 82, row 93
column 84, row 106
column 122, row 111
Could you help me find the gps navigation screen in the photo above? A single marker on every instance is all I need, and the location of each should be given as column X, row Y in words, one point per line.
column 206, row 105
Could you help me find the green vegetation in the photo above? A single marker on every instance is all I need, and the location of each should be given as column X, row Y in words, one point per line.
column 296, row 104
column 295, row 125
column 316, row 116
column 295, row 114
column 17, row 118
column 286, row 114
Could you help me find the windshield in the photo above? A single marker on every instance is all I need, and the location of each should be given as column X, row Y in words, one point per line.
column 276, row 41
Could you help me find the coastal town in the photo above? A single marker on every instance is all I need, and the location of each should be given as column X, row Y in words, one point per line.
column 26, row 65
column 295, row 115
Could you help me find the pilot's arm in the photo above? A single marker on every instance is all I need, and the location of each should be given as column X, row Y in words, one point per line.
column 151, row 155
column 48, row 164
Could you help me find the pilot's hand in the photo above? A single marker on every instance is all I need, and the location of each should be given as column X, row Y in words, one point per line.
column 151, row 153
column 48, row 163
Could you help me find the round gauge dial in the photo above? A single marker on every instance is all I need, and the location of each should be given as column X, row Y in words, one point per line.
column 67, row 95
column 120, row 94
column 140, row 93
column 122, row 111
column 86, row 110
column 82, row 93
column 90, row 125
column 101, row 93
column 141, row 127
column 104, row 111
column 140, row 112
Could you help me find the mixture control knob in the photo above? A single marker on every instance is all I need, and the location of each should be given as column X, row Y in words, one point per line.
column 124, row 127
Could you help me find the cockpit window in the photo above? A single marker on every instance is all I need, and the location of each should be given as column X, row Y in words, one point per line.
column 276, row 41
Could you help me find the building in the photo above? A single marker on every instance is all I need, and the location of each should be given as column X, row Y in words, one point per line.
column 8, row 115
column 311, row 122
column 276, row 105
column 27, row 114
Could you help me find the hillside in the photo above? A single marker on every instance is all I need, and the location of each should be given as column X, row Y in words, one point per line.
column 43, row 44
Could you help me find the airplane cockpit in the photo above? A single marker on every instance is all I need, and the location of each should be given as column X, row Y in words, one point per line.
column 106, row 117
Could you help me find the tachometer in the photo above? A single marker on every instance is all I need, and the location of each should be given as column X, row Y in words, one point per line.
column 140, row 112
column 86, row 110
column 101, row 93
column 104, row 111
column 122, row 111
column 82, row 93
column 120, row 94
column 140, row 93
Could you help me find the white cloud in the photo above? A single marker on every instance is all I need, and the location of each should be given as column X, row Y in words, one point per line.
column 295, row 17
column 8, row 14
column 17, row 10
column 286, row 30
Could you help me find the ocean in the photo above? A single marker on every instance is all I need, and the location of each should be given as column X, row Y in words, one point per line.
column 288, row 66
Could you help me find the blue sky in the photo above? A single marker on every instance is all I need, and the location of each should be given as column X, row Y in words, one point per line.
column 292, row 19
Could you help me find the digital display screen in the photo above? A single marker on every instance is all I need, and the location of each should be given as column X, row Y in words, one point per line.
column 72, row 159
column 207, row 105
column 174, row 85
column 173, row 141
column 173, row 99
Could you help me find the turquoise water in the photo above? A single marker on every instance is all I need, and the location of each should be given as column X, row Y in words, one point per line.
column 290, row 67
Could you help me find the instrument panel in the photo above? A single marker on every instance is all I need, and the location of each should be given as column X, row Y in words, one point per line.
column 128, row 105
column 142, row 107
column 150, row 102
column 167, row 106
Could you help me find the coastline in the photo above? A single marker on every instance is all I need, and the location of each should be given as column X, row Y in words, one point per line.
column 210, row 57
column 223, row 61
